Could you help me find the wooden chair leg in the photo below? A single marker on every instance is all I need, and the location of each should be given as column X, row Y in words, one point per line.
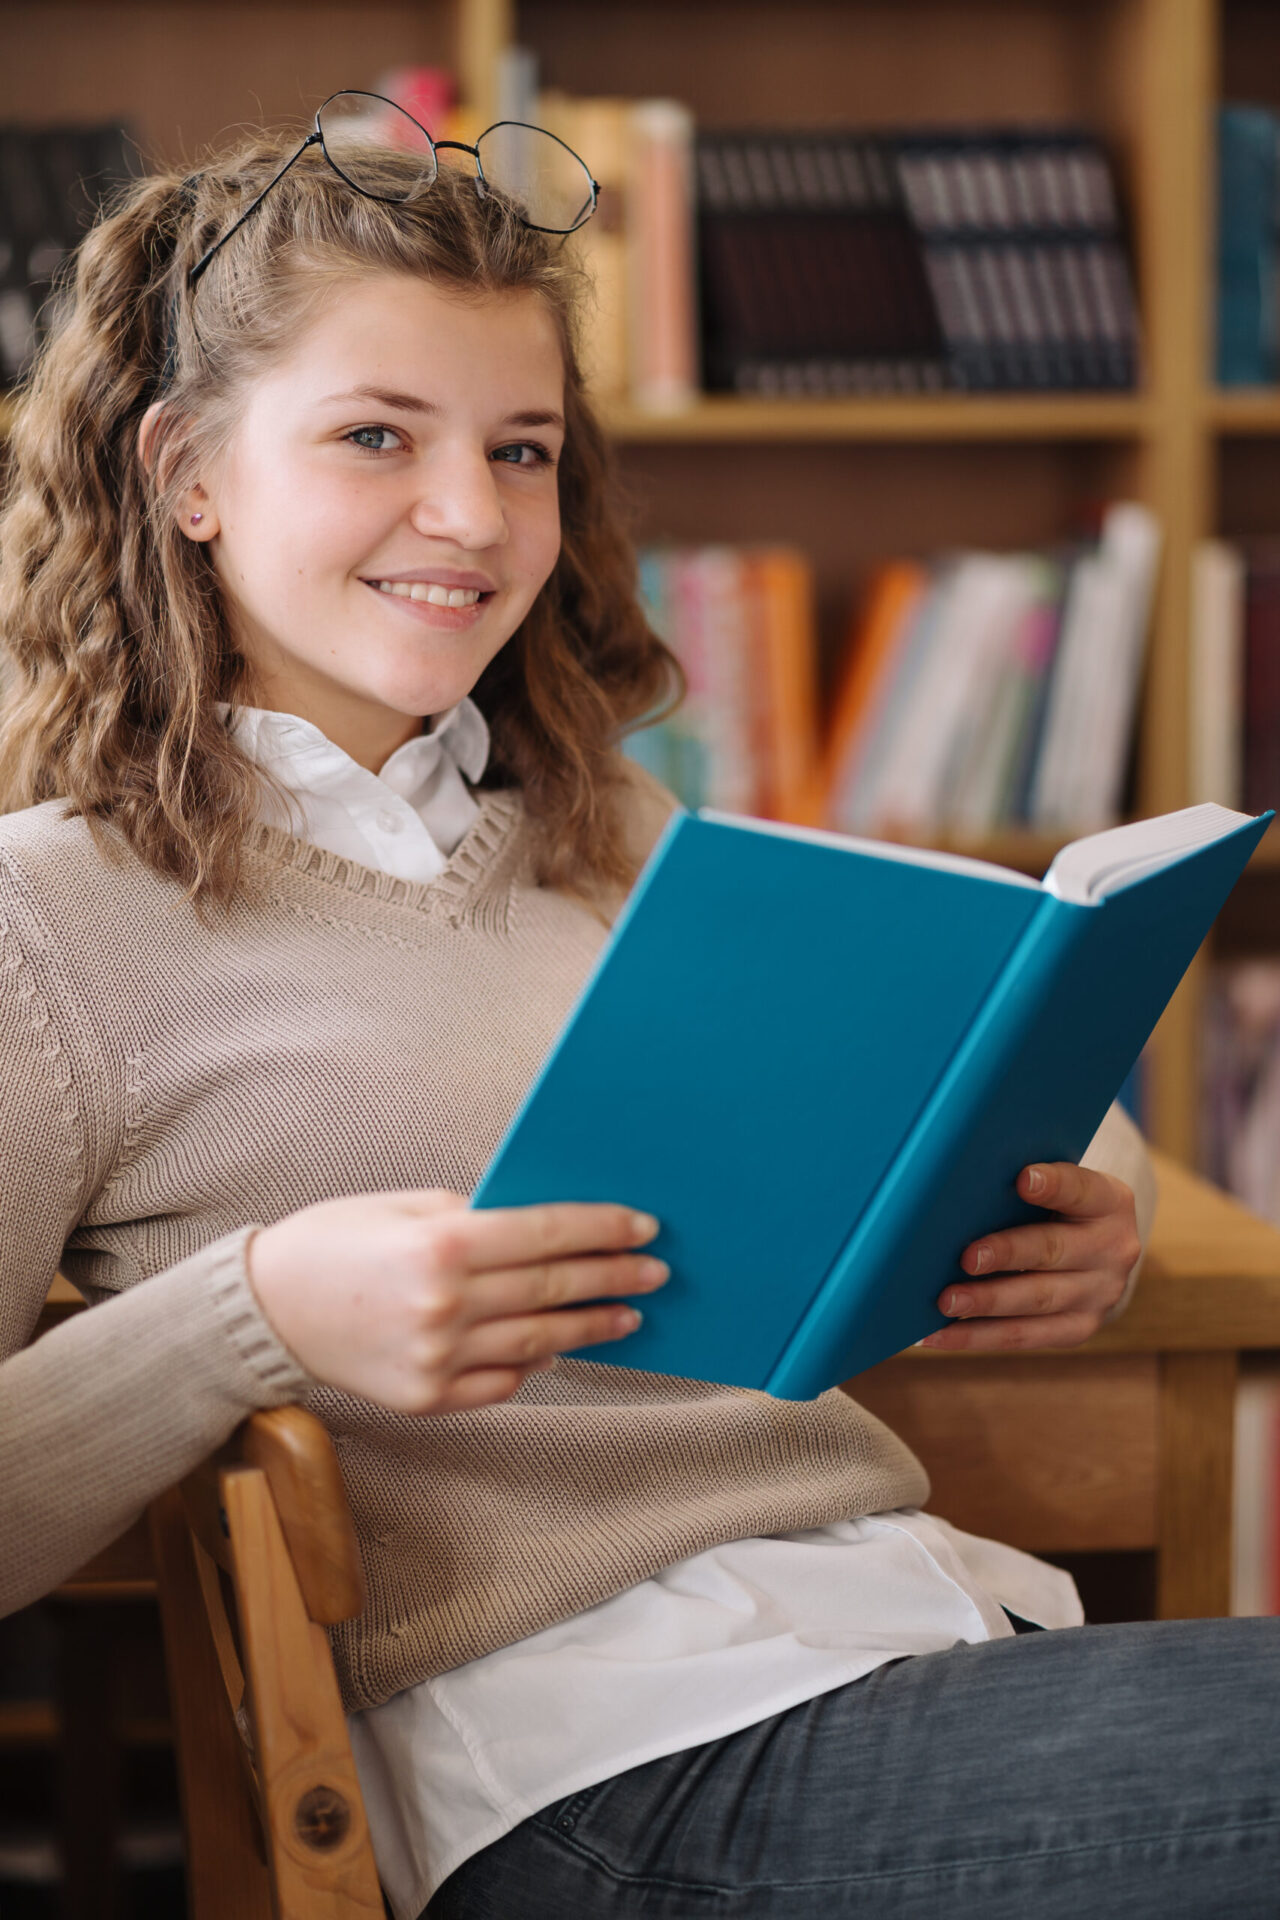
column 322, row 1856
column 226, row 1875
column 1197, row 1443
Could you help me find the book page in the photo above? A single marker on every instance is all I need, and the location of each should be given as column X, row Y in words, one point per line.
column 1088, row 870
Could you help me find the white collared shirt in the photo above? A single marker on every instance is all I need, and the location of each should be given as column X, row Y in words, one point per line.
column 706, row 1647
column 405, row 820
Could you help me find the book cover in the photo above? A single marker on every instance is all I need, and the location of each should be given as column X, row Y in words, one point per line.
column 822, row 1064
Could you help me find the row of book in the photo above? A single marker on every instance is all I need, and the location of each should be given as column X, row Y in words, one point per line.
column 741, row 622
column 984, row 691
column 842, row 262
column 837, row 262
column 51, row 182
column 758, row 262
column 1235, row 673
column 978, row 691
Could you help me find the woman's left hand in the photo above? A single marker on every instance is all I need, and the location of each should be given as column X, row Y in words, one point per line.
column 1059, row 1279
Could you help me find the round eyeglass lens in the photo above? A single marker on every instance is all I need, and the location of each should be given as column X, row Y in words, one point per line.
column 376, row 146
column 544, row 178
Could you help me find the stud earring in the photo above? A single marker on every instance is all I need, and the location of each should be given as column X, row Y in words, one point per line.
column 196, row 518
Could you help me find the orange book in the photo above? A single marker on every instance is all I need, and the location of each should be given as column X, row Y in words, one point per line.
column 779, row 585
column 883, row 617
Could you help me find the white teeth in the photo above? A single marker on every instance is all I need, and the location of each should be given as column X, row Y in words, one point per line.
column 434, row 595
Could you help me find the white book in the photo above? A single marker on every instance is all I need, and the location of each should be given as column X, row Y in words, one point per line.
column 1217, row 672
column 1094, row 694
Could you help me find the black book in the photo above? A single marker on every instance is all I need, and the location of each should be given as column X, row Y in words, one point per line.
column 810, row 277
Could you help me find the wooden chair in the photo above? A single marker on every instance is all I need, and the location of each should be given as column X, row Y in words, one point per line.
column 255, row 1554
column 1123, row 1444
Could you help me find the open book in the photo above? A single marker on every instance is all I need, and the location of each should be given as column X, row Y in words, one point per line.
column 822, row 1063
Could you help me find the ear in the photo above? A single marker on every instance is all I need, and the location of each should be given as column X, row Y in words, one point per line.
column 194, row 510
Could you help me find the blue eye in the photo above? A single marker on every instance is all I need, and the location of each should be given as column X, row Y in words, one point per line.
column 374, row 439
column 540, row 455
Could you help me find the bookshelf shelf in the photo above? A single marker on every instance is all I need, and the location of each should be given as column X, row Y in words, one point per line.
column 1246, row 411
column 933, row 417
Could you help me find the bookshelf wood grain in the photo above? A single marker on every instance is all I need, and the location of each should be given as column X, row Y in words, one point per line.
column 1244, row 411
column 940, row 417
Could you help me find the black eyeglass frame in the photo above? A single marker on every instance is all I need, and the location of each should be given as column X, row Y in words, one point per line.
column 316, row 138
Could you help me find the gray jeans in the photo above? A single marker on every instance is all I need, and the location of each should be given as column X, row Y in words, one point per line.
column 1126, row 1770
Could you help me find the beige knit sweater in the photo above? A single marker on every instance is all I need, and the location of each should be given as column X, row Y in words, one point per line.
column 169, row 1085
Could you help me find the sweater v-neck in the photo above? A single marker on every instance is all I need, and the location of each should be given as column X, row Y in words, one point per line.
column 459, row 891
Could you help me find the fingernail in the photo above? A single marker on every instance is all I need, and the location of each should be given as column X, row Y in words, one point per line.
column 981, row 1259
column 958, row 1301
column 643, row 1226
column 1035, row 1180
column 654, row 1270
column 630, row 1319
column 930, row 1340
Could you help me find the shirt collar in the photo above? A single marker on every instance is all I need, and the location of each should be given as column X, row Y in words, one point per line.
column 270, row 737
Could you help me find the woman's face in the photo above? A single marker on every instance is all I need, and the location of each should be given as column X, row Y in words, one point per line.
column 387, row 508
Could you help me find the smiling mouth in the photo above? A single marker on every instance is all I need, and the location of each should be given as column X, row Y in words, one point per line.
column 431, row 592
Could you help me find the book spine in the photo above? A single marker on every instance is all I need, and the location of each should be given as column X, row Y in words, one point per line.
column 661, row 277
column 1246, row 348
column 1217, row 672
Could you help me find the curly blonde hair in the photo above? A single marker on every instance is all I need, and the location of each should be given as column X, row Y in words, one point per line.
column 117, row 640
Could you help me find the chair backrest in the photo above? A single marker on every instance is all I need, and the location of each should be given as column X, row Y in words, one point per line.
column 255, row 1556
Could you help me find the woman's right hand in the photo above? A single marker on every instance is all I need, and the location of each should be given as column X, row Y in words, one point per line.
column 417, row 1302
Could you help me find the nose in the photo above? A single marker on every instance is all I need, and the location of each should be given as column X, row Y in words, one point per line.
column 459, row 501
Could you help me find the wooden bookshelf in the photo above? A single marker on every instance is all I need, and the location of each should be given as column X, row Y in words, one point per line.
column 936, row 417
column 1242, row 411
column 850, row 479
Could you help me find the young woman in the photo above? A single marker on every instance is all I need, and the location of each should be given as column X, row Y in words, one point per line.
column 320, row 641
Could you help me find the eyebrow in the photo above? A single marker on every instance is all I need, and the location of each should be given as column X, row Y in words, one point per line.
column 411, row 403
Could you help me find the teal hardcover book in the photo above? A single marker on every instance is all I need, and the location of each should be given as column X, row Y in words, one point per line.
column 822, row 1062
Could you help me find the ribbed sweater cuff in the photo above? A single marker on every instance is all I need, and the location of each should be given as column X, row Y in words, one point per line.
column 248, row 1331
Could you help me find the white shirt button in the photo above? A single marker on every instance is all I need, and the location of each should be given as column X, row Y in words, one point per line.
column 388, row 822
